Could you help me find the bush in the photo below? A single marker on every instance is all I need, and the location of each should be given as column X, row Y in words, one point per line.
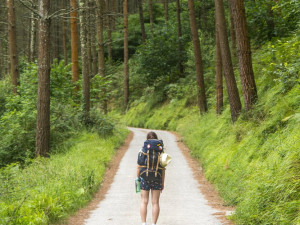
column 48, row 190
column 18, row 114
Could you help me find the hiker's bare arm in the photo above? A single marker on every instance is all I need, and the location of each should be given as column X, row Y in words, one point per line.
column 163, row 179
column 138, row 171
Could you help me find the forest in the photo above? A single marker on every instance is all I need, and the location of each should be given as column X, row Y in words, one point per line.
column 222, row 74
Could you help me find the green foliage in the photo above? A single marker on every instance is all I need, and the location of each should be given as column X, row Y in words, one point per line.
column 268, row 19
column 254, row 163
column 100, row 123
column 157, row 60
column 18, row 114
column 48, row 190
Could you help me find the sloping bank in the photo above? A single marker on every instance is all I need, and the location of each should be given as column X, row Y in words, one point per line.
column 49, row 189
column 254, row 163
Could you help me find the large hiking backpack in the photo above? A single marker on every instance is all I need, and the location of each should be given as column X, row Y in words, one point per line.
column 148, row 159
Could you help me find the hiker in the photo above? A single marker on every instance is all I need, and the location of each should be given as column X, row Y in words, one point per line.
column 151, row 176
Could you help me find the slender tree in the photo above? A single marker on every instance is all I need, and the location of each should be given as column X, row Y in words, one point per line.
column 244, row 54
column 166, row 8
column 126, row 67
column 141, row 15
column 198, row 59
column 43, row 103
column 101, row 49
column 92, row 20
column 109, row 30
column 64, row 35
column 232, row 29
column 232, row 90
column 32, row 37
column 151, row 13
column 12, row 41
column 84, row 55
column 219, row 76
column 179, row 33
column 74, row 42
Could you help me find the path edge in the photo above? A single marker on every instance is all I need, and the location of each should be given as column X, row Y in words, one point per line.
column 206, row 188
column 83, row 214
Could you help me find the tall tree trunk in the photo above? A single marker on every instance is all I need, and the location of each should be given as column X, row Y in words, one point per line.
column 101, row 49
column 43, row 104
column 64, row 36
column 57, row 40
column 1, row 61
column 92, row 13
column 32, row 37
column 198, row 59
column 84, row 56
column 109, row 28
column 74, row 42
column 12, row 41
column 141, row 14
column 179, row 33
column 219, row 77
column 114, row 10
column 232, row 29
column 151, row 14
column 244, row 54
column 166, row 8
column 270, row 21
column 232, row 90
column 126, row 67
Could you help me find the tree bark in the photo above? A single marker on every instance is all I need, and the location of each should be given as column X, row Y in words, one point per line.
column 270, row 21
column 126, row 67
column 101, row 49
column 109, row 29
column 74, row 42
column 141, row 15
column 12, row 40
column 151, row 14
column 244, row 54
column 84, row 56
column 43, row 104
column 232, row 30
column 198, row 59
column 32, row 37
column 93, row 27
column 219, row 77
column 232, row 90
column 64, row 36
column 166, row 8
column 179, row 33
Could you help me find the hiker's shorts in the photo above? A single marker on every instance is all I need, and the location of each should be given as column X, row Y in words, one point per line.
column 151, row 184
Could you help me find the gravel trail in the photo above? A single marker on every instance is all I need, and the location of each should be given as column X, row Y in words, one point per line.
column 181, row 202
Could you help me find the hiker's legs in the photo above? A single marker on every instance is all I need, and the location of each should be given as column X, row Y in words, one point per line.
column 155, row 194
column 144, row 204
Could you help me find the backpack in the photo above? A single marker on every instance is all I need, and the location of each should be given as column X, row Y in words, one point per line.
column 148, row 159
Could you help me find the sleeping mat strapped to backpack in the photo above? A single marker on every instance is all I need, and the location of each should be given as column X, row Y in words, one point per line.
column 148, row 159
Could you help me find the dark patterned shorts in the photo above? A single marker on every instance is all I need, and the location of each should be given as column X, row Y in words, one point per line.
column 150, row 184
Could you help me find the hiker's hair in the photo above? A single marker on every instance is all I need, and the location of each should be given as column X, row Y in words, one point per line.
column 151, row 135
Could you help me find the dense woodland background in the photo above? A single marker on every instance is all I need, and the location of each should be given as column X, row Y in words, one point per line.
column 72, row 73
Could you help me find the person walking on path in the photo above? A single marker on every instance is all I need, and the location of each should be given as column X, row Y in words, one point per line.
column 151, row 176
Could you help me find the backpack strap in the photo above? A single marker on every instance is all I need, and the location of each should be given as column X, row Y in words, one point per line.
column 157, row 164
column 147, row 163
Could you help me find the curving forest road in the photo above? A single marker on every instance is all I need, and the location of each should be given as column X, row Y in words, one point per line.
column 187, row 198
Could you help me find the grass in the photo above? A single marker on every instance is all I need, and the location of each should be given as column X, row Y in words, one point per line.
column 254, row 163
column 50, row 189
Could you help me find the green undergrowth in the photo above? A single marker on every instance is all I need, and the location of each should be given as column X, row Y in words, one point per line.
column 255, row 162
column 49, row 189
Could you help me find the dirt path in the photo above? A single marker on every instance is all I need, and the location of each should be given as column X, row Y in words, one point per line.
column 187, row 199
